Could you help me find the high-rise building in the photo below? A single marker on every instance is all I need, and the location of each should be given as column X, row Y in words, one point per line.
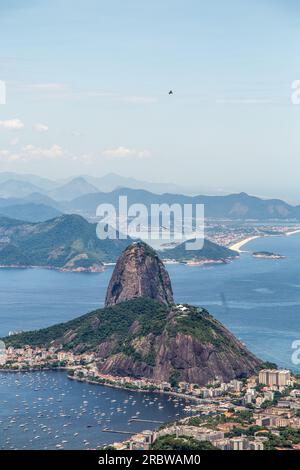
column 284, row 377
column 280, row 378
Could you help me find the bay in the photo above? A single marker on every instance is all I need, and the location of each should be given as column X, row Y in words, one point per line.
column 257, row 299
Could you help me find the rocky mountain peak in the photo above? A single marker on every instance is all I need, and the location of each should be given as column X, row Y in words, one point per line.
column 139, row 273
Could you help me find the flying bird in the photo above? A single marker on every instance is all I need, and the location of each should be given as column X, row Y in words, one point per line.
column 171, row 92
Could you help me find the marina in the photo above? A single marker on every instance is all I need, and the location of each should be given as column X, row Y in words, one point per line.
column 46, row 410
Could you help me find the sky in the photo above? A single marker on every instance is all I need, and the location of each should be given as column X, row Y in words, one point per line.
column 87, row 85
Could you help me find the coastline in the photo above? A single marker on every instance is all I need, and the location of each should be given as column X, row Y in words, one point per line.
column 292, row 232
column 54, row 268
column 138, row 390
column 238, row 245
column 103, row 384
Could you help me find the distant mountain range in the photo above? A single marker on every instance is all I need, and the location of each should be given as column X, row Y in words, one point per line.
column 22, row 185
column 234, row 206
column 38, row 181
column 71, row 190
column 111, row 181
column 15, row 188
column 82, row 195
column 30, row 212
column 69, row 242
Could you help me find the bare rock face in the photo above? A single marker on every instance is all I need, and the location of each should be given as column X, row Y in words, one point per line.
column 139, row 273
column 194, row 359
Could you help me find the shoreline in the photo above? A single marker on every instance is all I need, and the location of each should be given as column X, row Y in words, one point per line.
column 292, row 232
column 54, row 268
column 138, row 390
column 66, row 370
column 238, row 245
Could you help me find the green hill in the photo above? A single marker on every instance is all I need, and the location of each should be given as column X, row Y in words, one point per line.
column 68, row 242
column 210, row 251
column 144, row 338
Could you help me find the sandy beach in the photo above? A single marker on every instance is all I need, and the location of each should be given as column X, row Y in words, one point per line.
column 237, row 246
column 293, row 232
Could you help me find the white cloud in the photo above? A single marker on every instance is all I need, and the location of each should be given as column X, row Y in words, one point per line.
column 12, row 124
column 41, row 127
column 124, row 152
column 33, row 153
column 52, row 152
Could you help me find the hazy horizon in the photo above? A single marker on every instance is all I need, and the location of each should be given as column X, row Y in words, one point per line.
column 87, row 92
column 144, row 183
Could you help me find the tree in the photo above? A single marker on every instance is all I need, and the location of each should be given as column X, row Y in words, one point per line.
column 174, row 378
column 181, row 443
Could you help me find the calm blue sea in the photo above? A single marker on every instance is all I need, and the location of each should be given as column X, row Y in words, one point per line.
column 258, row 299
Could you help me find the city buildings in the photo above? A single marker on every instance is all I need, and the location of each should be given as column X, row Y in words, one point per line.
column 278, row 378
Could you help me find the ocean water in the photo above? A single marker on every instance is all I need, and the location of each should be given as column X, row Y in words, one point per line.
column 46, row 410
column 257, row 299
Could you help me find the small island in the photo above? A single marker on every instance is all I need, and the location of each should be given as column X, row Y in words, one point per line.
column 267, row 255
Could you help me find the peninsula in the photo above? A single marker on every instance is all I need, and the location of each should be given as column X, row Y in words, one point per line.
column 142, row 333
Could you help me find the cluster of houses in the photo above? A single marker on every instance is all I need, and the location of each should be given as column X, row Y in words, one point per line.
column 29, row 358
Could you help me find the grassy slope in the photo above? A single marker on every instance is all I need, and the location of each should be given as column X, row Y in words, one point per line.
column 114, row 322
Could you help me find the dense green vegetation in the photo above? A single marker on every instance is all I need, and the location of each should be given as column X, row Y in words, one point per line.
column 181, row 443
column 268, row 365
column 95, row 327
column 68, row 241
column 114, row 324
column 286, row 439
column 201, row 325
column 174, row 378
column 213, row 421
